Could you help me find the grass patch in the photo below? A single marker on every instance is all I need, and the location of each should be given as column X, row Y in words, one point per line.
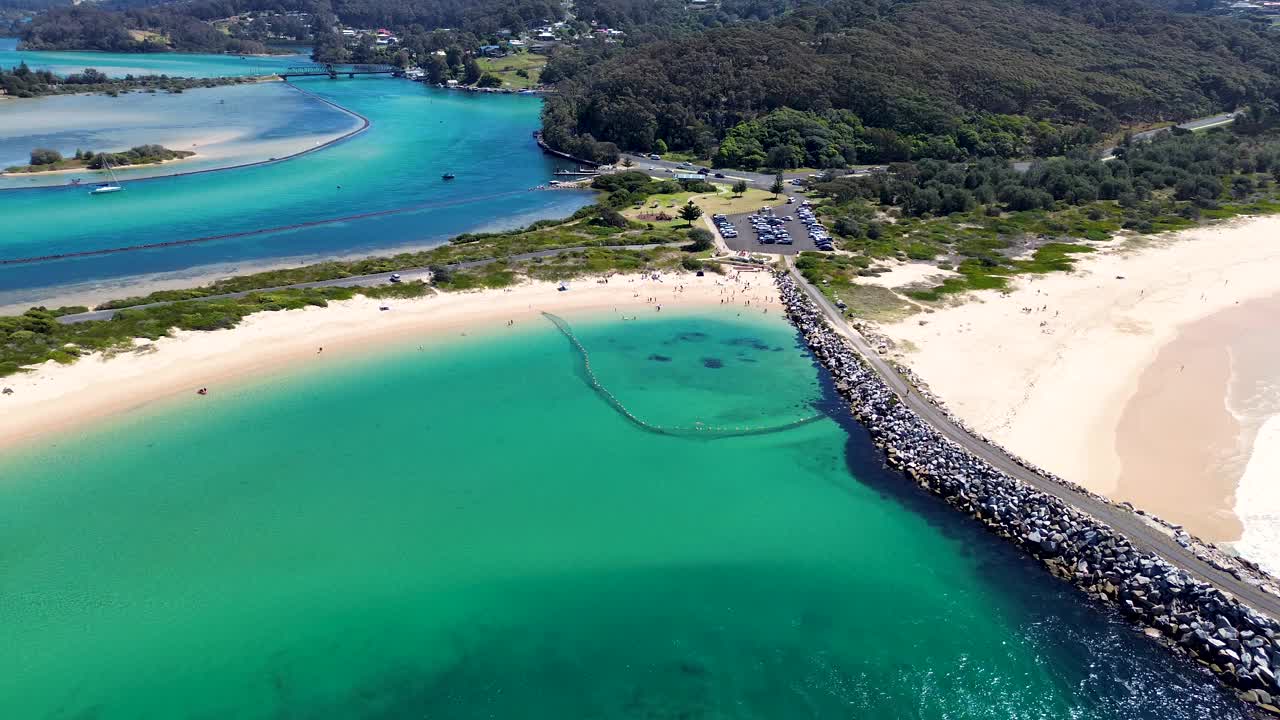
column 519, row 71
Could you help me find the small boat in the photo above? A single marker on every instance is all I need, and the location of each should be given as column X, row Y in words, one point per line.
column 107, row 187
column 447, row 176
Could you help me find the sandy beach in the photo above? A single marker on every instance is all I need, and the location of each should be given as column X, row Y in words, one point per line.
column 56, row 398
column 1083, row 373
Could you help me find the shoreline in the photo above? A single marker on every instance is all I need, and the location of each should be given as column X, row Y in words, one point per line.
column 1063, row 357
column 55, row 398
column 365, row 124
column 85, row 169
column 1198, row 606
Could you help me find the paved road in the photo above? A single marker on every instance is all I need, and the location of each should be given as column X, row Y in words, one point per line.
column 408, row 275
column 1135, row 528
column 659, row 168
column 1197, row 124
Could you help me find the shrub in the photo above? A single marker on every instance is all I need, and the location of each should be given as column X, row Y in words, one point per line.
column 701, row 239
column 45, row 156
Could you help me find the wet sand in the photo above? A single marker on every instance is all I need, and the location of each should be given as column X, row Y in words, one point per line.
column 1177, row 441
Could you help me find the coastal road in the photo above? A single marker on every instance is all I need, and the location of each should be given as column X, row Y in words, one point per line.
column 659, row 168
column 1138, row 530
column 382, row 278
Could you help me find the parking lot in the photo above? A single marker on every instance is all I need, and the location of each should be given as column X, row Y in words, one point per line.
column 781, row 230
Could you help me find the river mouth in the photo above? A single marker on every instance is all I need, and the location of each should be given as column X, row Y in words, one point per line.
column 468, row 530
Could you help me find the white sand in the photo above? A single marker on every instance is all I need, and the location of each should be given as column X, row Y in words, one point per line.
column 904, row 274
column 1051, row 383
column 58, row 397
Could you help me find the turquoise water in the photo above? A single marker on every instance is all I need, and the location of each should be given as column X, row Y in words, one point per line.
column 417, row 134
column 468, row 531
column 226, row 126
column 121, row 64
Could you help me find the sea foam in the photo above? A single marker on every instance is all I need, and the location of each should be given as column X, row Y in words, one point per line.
column 1258, row 499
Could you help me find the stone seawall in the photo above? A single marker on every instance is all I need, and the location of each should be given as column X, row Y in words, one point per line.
column 1240, row 646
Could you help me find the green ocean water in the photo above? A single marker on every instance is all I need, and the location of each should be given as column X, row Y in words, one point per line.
column 468, row 531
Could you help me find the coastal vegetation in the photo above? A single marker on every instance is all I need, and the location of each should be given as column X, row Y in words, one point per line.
column 469, row 262
column 23, row 82
column 859, row 82
column 987, row 222
column 47, row 160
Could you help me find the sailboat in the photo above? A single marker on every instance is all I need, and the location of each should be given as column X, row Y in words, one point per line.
column 107, row 187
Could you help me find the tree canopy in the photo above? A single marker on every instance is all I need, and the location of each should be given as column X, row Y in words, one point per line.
column 885, row 80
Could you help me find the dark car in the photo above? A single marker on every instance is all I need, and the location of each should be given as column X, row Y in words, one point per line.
column 719, row 175
column 703, row 171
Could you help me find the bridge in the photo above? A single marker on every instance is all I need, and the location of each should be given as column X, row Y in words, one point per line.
column 334, row 70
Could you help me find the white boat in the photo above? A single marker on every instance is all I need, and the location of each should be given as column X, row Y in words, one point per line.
column 107, row 187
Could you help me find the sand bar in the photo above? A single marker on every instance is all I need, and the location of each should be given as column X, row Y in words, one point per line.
column 1049, row 368
column 57, row 398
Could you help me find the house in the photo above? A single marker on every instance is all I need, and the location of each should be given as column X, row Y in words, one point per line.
column 493, row 51
column 545, row 35
column 348, row 32
column 451, row 83
column 516, row 43
column 440, row 53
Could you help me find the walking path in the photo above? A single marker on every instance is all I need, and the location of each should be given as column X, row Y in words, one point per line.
column 1140, row 531
column 382, row 278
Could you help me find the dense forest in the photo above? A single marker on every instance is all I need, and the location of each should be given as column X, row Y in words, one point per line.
column 1200, row 169
column 1022, row 75
column 84, row 27
column 148, row 26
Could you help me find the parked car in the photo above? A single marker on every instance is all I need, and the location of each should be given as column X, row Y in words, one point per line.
column 655, row 156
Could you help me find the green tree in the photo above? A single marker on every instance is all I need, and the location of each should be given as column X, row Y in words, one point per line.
column 489, row 80
column 471, row 71
column 690, row 212
column 740, row 188
column 626, row 162
column 660, row 146
column 436, row 69
column 612, row 218
column 45, row 156
column 777, row 186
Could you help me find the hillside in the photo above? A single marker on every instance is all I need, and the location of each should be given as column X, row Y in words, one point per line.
column 920, row 74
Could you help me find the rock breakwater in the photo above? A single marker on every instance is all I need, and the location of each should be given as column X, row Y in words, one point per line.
column 1239, row 645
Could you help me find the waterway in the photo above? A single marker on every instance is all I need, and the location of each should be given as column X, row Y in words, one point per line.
column 469, row 531
column 118, row 65
column 225, row 126
column 376, row 191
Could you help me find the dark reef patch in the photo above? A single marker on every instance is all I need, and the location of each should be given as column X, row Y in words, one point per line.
column 713, row 363
column 659, row 358
column 754, row 343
